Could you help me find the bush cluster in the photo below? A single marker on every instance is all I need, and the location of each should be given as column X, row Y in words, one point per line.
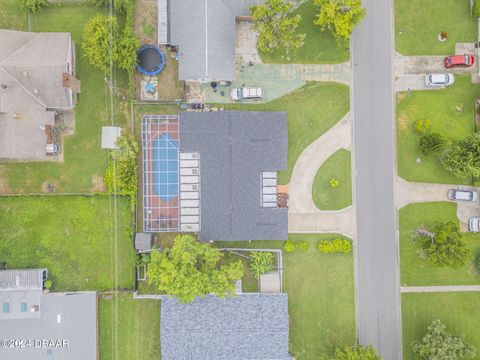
column 421, row 126
column 290, row 245
column 338, row 245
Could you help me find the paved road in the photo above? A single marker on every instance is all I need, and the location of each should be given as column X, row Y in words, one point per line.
column 378, row 292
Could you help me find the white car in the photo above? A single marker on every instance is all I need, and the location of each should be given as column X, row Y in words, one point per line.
column 439, row 80
column 474, row 224
column 462, row 195
column 245, row 93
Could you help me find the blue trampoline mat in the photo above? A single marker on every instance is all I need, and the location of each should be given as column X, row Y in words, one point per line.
column 165, row 167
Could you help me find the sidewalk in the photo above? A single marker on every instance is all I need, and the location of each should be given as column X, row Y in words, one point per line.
column 430, row 289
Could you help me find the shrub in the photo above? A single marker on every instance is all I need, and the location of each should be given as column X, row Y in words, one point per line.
column 433, row 144
column 261, row 262
column 48, row 284
column 421, row 126
column 444, row 35
column 32, row 6
column 334, row 246
column 289, row 246
column 333, row 182
column 303, row 245
column 476, row 9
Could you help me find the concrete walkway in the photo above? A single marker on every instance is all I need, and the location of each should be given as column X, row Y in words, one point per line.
column 430, row 289
column 304, row 216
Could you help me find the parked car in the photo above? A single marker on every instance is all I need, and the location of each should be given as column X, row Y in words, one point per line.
column 466, row 60
column 439, row 80
column 462, row 195
column 474, row 224
column 245, row 93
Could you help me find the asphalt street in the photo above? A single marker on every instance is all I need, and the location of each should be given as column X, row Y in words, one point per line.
column 378, row 291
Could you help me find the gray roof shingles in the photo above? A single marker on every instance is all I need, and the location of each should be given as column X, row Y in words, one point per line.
column 204, row 31
column 235, row 148
column 247, row 327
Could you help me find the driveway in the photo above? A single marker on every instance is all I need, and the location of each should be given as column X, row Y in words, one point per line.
column 413, row 192
column 304, row 216
column 377, row 272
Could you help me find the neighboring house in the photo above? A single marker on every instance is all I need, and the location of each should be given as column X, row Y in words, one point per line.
column 203, row 31
column 215, row 174
column 45, row 326
column 249, row 326
column 37, row 82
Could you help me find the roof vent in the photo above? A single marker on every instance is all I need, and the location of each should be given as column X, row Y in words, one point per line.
column 3, row 88
column 25, row 74
column 35, row 91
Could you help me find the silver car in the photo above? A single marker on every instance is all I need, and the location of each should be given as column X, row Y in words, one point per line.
column 474, row 224
column 245, row 93
column 439, row 80
column 462, row 195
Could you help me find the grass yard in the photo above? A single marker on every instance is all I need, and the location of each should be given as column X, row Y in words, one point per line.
column 308, row 117
column 320, row 46
column 337, row 166
column 459, row 311
column 128, row 329
column 72, row 236
column 415, row 271
column 11, row 16
column 84, row 161
column 418, row 23
column 320, row 296
column 451, row 112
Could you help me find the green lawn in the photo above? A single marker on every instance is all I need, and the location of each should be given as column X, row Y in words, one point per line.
column 418, row 23
column 337, row 166
column 11, row 16
column 459, row 311
column 320, row 296
column 311, row 110
column 72, row 236
column 415, row 271
column 320, row 46
column 128, row 329
column 84, row 161
column 451, row 112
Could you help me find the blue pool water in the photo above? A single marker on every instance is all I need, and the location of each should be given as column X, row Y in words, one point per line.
column 165, row 167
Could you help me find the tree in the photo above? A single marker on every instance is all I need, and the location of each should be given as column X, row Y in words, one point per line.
column 261, row 262
column 433, row 144
column 31, row 6
column 446, row 248
column 354, row 353
column 100, row 41
column 127, row 50
column 190, row 269
column 339, row 17
column 463, row 159
column 275, row 27
column 438, row 344
column 123, row 160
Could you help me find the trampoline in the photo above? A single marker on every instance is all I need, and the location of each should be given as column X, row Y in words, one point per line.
column 150, row 60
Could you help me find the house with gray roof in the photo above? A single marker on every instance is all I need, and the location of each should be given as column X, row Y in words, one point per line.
column 204, row 33
column 215, row 174
column 37, row 82
column 47, row 326
column 246, row 327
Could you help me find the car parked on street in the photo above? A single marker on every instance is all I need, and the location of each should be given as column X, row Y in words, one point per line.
column 246, row 93
column 439, row 80
column 474, row 224
column 462, row 195
column 466, row 60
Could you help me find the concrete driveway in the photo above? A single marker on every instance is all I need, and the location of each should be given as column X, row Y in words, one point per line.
column 412, row 192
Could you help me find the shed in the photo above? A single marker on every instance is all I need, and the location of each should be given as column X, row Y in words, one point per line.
column 143, row 241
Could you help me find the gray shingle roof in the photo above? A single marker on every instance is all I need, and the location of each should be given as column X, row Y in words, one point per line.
column 235, row 148
column 247, row 327
column 19, row 287
column 32, row 67
column 65, row 316
column 204, row 31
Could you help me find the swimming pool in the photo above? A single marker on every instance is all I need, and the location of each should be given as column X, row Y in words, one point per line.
column 165, row 167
